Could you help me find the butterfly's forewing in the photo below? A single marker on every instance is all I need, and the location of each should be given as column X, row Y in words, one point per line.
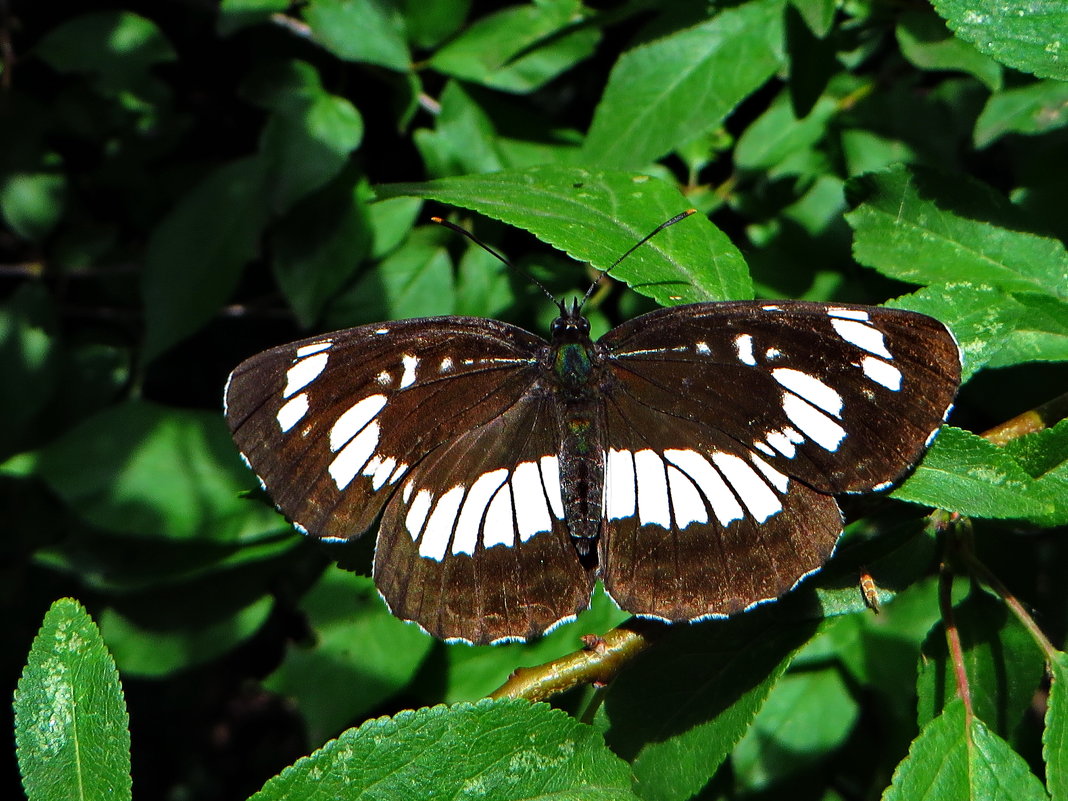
column 734, row 422
column 475, row 545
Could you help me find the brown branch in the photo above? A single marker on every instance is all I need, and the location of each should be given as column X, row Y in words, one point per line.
column 598, row 663
column 956, row 650
column 1037, row 419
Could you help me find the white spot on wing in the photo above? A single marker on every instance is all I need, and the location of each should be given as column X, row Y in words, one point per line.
column 499, row 528
column 881, row 372
column 446, row 365
column 474, row 509
column 435, row 540
column 550, row 478
column 744, row 345
column 292, row 412
column 351, row 459
column 651, row 480
column 619, row 498
column 315, row 347
column 686, row 501
column 757, row 496
column 780, row 442
column 764, row 448
column 531, row 508
column 777, row 479
column 381, row 331
column 381, row 472
column 417, row 512
column 820, row 428
column 810, row 388
column 702, row 348
column 402, row 468
column 352, row 421
column 303, row 372
column 771, row 308
column 384, row 378
column 862, row 335
column 772, row 353
column 724, row 505
column 410, row 362
column 847, row 314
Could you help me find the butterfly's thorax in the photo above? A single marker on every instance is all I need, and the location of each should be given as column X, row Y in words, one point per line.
column 578, row 365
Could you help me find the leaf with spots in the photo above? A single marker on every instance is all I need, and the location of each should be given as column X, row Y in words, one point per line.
column 492, row 749
column 964, row 473
column 71, row 725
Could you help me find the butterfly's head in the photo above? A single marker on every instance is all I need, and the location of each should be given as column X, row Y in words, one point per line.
column 570, row 326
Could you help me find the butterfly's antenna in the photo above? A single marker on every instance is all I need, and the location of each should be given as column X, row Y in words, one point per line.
column 493, row 252
column 634, row 247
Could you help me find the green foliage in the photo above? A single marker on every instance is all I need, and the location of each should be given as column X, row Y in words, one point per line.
column 182, row 185
column 71, row 725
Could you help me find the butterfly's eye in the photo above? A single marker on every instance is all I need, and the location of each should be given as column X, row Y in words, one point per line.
column 568, row 324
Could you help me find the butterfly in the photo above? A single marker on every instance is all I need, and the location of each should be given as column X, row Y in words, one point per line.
column 688, row 459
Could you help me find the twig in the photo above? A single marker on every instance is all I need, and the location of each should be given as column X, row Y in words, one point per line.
column 598, row 663
column 956, row 650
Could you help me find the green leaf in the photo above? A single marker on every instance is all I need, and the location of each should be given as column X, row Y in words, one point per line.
column 1025, row 34
column 679, row 709
column 151, row 471
column 146, row 650
column 925, row 42
column 71, row 725
column 117, row 47
column 369, row 31
column 920, row 226
column 1040, row 333
column 1003, row 665
column 521, row 48
column 980, row 317
column 463, row 139
column 964, row 473
column 1055, row 735
column 320, row 246
column 237, row 14
column 429, row 22
column 1044, row 455
column 778, row 134
column 33, row 203
column 957, row 759
column 492, row 749
column 595, row 217
column 818, row 14
column 361, row 656
column 196, row 254
column 1034, row 109
column 416, row 280
column 665, row 93
column 29, row 353
column 308, row 139
column 807, row 715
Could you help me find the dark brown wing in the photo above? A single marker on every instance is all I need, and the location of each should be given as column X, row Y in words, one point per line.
column 474, row 546
column 444, row 423
column 730, row 425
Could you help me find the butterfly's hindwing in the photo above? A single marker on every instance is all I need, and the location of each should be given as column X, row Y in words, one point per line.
column 475, row 545
column 698, row 525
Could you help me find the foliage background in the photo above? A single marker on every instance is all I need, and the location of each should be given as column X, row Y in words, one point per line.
column 185, row 183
